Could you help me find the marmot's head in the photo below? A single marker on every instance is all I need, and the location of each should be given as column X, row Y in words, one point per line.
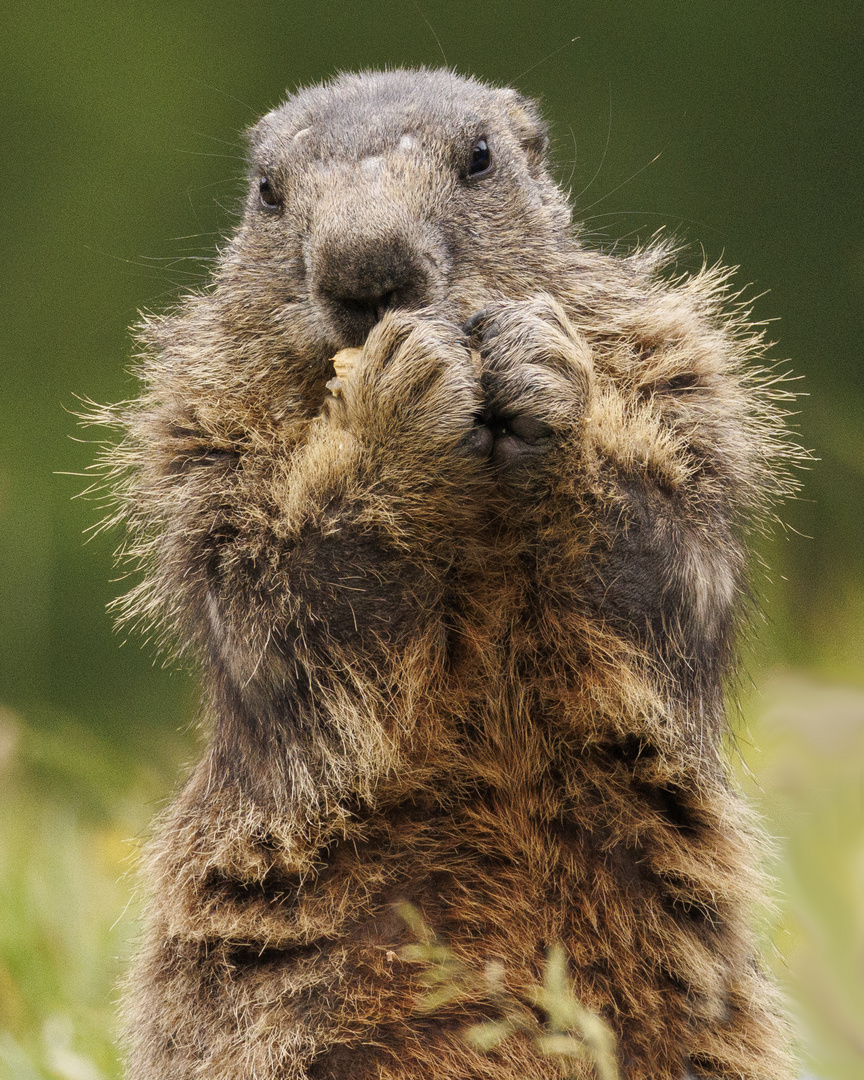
column 395, row 189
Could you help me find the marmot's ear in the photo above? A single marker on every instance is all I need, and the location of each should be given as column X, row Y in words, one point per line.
column 256, row 134
column 524, row 115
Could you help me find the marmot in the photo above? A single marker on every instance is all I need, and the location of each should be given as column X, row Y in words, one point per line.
column 464, row 618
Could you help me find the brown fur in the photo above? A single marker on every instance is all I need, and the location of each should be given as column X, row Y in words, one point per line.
column 463, row 635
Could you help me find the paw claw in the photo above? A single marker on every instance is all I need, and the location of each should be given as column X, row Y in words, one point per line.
column 479, row 442
column 473, row 325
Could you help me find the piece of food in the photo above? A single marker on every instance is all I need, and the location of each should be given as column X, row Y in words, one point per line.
column 344, row 361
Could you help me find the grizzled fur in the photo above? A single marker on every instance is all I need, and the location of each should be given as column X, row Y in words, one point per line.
column 463, row 627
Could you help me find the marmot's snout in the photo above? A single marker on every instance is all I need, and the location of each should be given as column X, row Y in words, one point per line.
column 357, row 279
column 357, row 272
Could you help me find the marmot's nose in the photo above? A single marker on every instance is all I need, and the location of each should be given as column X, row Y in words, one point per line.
column 358, row 279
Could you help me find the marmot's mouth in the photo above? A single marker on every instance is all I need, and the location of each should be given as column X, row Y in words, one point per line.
column 353, row 318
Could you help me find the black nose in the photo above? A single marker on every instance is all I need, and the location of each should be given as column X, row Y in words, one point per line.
column 358, row 279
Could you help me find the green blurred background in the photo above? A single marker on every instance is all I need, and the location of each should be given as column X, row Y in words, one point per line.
column 121, row 169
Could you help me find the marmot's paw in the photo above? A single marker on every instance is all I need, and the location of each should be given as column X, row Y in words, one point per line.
column 535, row 380
column 414, row 383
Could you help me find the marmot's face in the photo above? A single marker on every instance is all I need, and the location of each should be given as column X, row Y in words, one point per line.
column 396, row 190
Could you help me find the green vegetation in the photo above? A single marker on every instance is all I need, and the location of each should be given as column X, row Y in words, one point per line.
column 71, row 815
column 803, row 764
column 547, row 1014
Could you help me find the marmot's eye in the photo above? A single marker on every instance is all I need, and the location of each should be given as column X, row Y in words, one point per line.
column 481, row 159
column 269, row 199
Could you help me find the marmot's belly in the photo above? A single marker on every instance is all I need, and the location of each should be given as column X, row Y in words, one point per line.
column 329, row 974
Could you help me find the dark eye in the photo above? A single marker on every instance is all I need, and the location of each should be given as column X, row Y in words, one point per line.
column 269, row 199
column 481, row 158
